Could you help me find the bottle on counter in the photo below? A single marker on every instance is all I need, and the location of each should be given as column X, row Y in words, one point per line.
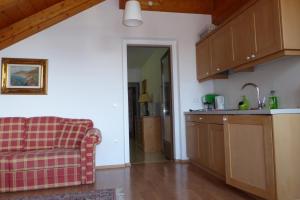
column 273, row 100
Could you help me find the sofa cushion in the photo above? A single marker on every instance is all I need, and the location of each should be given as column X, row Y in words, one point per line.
column 71, row 135
column 12, row 130
column 41, row 132
column 45, row 159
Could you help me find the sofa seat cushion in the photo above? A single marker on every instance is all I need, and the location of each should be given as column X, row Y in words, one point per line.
column 45, row 159
column 5, row 158
column 41, row 132
column 12, row 133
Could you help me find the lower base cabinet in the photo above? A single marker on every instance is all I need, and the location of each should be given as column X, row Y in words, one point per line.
column 260, row 153
column 249, row 154
column 217, row 153
column 205, row 143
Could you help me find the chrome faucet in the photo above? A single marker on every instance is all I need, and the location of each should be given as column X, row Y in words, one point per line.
column 260, row 103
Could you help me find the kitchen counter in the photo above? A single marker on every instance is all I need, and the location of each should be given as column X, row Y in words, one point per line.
column 246, row 112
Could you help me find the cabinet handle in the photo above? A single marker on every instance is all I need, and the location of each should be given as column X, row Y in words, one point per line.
column 200, row 118
column 248, row 58
column 253, row 56
column 224, row 119
column 218, row 69
column 207, row 73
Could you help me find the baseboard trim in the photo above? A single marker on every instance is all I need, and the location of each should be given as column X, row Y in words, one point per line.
column 182, row 161
column 113, row 166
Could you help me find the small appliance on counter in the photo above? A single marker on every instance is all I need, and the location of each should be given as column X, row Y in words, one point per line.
column 219, row 102
column 208, row 101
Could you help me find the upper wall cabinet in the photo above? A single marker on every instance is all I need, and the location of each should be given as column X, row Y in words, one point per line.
column 203, row 60
column 266, row 19
column 222, row 50
column 264, row 30
column 243, row 37
column 257, row 32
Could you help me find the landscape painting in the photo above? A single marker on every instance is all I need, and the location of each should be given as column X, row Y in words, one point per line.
column 24, row 76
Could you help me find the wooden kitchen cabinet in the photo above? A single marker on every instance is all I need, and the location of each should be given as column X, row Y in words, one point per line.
column 205, row 143
column 222, row 50
column 217, row 149
column 261, row 31
column 243, row 32
column 267, row 24
column 192, row 141
column 257, row 32
column 151, row 134
column 249, row 154
column 259, row 153
column 203, row 59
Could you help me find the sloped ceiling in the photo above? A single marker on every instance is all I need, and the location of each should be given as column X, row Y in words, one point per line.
column 20, row 19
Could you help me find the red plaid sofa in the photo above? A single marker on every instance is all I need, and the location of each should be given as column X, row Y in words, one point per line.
column 46, row 152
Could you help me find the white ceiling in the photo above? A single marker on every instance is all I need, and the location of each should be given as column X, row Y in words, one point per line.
column 138, row 56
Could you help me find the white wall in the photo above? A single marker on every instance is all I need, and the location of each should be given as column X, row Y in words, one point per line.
column 280, row 75
column 85, row 70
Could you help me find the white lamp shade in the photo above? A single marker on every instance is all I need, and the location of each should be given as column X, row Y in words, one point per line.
column 132, row 14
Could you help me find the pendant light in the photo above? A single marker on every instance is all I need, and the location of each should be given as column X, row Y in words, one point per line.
column 132, row 14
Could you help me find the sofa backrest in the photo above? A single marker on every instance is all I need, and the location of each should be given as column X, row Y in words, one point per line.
column 41, row 132
column 72, row 132
column 12, row 133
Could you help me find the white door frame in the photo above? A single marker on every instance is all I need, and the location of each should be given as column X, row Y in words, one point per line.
column 175, row 92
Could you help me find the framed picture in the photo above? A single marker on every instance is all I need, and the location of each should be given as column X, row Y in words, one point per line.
column 24, row 76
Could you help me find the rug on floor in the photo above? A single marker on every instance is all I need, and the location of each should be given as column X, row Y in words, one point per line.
column 104, row 194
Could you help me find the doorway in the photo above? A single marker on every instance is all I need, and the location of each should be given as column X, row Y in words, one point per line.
column 150, row 104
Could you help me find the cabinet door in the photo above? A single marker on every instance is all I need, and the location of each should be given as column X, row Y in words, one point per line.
column 249, row 154
column 267, row 28
column 217, row 149
column 243, row 37
column 203, row 59
column 222, row 50
column 203, row 142
column 192, row 141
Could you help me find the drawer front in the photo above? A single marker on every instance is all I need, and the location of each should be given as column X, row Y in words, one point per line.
column 209, row 119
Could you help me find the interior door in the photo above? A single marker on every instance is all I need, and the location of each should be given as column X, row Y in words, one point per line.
column 166, row 106
column 134, row 109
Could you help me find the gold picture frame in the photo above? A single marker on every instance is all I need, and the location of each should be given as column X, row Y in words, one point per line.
column 24, row 76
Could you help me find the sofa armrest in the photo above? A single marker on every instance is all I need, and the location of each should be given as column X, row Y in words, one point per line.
column 94, row 134
column 87, row 151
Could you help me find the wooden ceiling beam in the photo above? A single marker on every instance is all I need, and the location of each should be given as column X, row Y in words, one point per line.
column 179, row 6
column 42, row 20
column 4, row 4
